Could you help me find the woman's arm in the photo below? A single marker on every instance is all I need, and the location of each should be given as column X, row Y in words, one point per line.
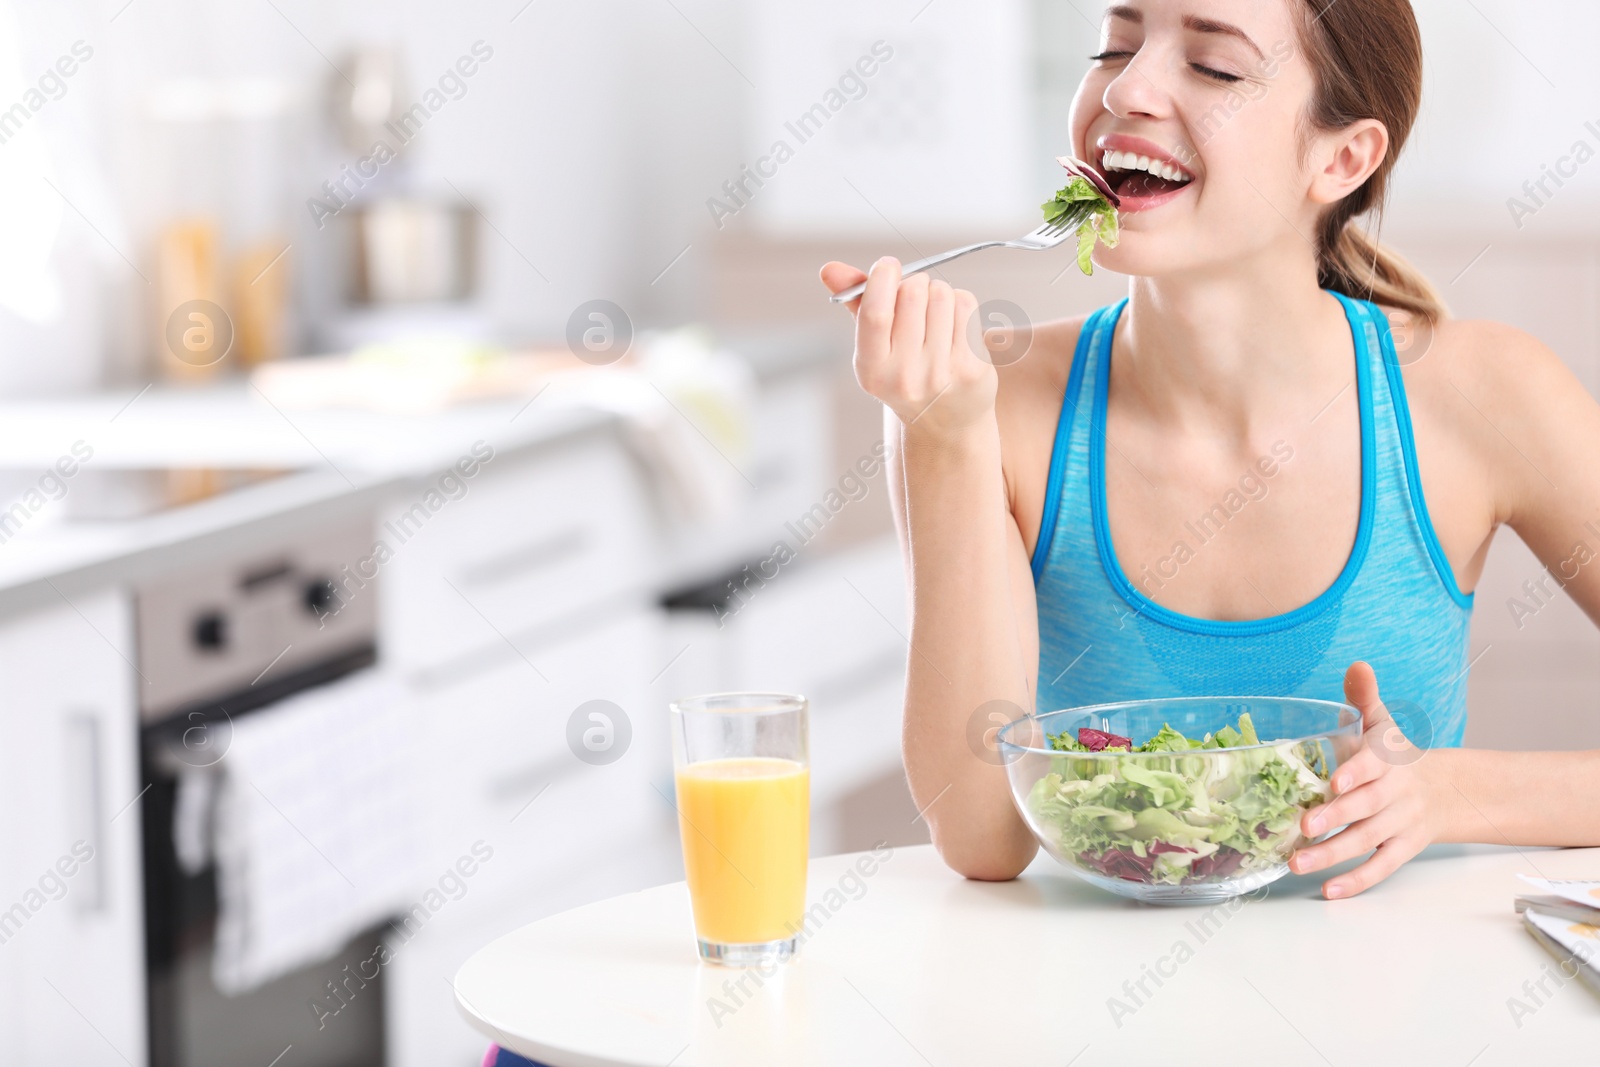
column 969, row 673
column 1521, row 798
column 1517, row 422
column 973, row 631
column 1540, row 432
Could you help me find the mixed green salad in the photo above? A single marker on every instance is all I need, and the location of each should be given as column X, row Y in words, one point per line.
column 1087, row 202
column 1179, row 817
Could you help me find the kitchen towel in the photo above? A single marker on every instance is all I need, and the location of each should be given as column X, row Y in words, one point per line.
column 315, row 826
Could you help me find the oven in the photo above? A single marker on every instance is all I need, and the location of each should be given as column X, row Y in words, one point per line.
column 219, row 644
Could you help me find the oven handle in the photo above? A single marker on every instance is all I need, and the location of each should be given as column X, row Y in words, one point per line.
column 85, row 802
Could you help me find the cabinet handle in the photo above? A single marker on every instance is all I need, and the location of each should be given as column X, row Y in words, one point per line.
column 537, row 554
column 543, row 773
column 85, row 805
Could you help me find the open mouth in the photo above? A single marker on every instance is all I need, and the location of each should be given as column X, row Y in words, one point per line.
column 1137, row 177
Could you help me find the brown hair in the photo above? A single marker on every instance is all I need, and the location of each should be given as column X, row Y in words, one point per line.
column 1366, row 56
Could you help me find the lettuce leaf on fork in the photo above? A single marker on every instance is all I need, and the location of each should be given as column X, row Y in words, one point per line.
column 1088, row 202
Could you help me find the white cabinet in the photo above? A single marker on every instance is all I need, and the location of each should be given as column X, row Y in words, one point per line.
column 558, row 829
column 530, row 542
column 71, row 910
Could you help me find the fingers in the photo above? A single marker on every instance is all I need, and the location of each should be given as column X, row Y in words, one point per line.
column 1388, row 859
column 911, row 317
column 966, row 306
column 940, row 329
column 1357, row 771
column 1361, row 791
column 1370, row 803
column 841, row 276
column 875, row 313
column 1350, row 808
column 1352, row 841
column 1361, row 690
column 1379, row 732
column 911, row 349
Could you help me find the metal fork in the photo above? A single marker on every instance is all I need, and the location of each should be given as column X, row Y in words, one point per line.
column 1049, row 235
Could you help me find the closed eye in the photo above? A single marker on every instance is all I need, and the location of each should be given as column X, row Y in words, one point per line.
column 1215, row 75
column 1104, row 56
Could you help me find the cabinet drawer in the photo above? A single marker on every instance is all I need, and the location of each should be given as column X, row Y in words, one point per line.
column 502, row 769
column 822, row 620
column 529, row 541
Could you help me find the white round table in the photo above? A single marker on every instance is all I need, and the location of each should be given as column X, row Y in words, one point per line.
column 908, row 963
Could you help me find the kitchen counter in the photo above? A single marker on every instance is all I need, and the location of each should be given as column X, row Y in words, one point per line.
column 235, row 425
column 907, row 963
column 335, row 462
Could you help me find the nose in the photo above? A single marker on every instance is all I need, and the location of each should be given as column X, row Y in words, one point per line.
column 1133, row 93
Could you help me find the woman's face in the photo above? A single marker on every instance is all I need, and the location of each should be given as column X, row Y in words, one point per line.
column 1211, row 95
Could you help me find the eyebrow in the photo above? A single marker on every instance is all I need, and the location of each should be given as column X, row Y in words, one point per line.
column 1193, row 23
column 1228, row 29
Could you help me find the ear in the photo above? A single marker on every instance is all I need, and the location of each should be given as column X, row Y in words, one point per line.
column 1347, row 158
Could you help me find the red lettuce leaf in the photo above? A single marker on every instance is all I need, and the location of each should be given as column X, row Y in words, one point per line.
column 1099, row 740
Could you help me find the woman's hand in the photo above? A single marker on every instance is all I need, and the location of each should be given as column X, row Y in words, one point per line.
column 1387, row 793
column 912, row 351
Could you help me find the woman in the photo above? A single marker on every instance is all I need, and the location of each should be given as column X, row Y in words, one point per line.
column 1229, row 482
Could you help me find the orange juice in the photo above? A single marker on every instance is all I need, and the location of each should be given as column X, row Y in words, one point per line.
column 745, row 824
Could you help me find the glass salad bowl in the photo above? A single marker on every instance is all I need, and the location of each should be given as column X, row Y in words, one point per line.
column 1183, row 801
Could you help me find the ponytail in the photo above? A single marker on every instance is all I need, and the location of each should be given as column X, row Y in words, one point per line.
column 1350, row 262
column 1366, row 56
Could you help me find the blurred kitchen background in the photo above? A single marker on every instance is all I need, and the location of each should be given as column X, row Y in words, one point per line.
column 401, row 402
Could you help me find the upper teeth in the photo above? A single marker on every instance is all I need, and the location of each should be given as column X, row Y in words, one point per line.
column 1131, row 161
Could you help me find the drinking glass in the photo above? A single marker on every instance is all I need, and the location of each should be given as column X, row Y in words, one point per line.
column 741, row 763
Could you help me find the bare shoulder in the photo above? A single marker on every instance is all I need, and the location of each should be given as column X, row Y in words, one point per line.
column 1503, row 404
column 1477, row 368
column 1493, row 351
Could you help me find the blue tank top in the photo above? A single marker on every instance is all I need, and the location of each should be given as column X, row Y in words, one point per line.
column 1395, row 604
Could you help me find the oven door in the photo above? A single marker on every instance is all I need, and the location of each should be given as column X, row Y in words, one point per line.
column 192, row 1022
